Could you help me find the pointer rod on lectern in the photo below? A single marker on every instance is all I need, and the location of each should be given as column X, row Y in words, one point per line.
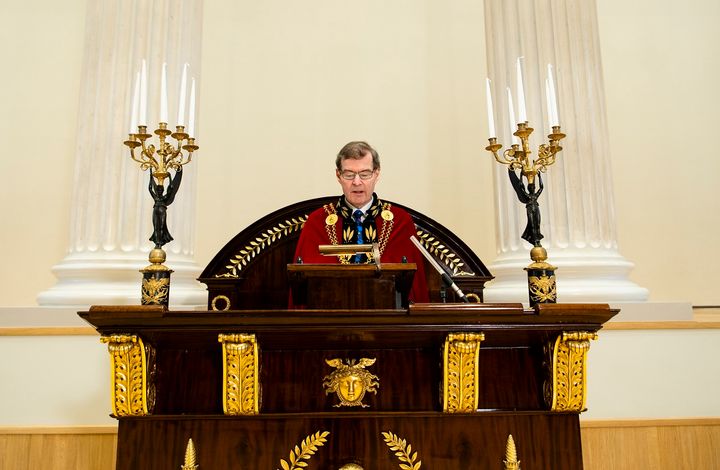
column 443, row 275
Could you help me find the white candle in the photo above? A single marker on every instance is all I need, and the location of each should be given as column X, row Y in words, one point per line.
column 163, row 94
column 191, row 113
column 548, row 98
column 143, row 95
column 491, row 116
column 181, row 98
column 522, row 113
column 513, row 122
column 135, row 104
column 552, row 100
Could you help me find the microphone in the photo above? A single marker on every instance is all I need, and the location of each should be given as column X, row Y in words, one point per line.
column 443, row 275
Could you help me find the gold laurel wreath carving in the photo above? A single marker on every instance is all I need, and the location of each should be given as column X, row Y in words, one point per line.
column 154, row 291
column 307, row 449
column 542, row 288
column 261, row 242
column 451, row 260
column 403, row 451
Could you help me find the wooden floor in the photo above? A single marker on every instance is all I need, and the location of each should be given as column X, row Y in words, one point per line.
column 607, row 445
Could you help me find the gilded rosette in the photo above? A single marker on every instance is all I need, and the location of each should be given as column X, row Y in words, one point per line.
column 241, row 389
column 565, row 389
column 460, row 372
column 129, row 371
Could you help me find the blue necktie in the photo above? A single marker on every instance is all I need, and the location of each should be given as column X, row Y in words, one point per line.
column 357, row 215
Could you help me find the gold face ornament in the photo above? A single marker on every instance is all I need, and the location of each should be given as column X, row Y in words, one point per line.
column 350, row 381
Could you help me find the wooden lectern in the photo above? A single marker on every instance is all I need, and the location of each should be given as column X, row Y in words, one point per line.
column 352, row 286
column 432, row 386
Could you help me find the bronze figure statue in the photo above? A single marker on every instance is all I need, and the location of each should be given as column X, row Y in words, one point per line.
column 528, row 195
column 163, row 199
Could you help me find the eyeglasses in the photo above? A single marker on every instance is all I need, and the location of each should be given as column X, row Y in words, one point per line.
column 350, row 175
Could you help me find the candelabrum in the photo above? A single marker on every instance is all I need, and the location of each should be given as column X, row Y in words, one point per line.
column 160, row 161
column 523, row 173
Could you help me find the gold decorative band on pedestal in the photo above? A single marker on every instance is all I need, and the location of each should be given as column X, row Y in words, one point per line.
column 129, row 366
column 566, row 369
column 241, row 389
column 460, row 372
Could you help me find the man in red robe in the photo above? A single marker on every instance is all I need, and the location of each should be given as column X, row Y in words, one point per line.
column 359, row 216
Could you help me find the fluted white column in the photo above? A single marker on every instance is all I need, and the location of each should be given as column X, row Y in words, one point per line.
column 577, row 206
column 111, row 211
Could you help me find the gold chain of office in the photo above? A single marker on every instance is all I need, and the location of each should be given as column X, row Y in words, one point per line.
column 387, row 226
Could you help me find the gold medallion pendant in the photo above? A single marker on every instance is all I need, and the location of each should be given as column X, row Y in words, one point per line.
column 387, row 215
column 331, row 219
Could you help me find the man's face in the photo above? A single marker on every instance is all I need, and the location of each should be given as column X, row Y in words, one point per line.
column 358, row 191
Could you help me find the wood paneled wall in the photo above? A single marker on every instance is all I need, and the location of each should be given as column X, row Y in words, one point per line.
column 58, row 448
column 607, row 445
column 651, row 444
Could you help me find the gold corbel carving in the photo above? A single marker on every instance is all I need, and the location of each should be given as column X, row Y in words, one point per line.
column 565, row 388
column 241, row 389
column 460, row 372
column 130, row 362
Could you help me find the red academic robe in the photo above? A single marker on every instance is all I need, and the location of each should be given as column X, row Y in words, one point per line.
column 315, row 233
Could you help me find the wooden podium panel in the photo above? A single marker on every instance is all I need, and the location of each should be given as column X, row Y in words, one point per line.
column 187, row 379
column 544, row 440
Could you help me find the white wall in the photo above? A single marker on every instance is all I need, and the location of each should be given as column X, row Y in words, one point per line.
column 662, row 69
column 285, row 85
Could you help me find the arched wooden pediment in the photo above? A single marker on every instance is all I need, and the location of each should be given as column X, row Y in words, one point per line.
column 249, row 272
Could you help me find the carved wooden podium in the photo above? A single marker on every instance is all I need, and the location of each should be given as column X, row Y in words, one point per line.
column 440, row 384
column 250, row 384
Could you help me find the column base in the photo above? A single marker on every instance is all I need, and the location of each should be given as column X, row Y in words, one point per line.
column 86, row 279
column 583, row 275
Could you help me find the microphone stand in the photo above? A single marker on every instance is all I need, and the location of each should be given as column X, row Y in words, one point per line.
column 443, row 275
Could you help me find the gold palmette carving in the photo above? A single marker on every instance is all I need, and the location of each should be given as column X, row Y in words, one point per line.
column 241, row 389
column 307, row 449
column 190, row 457
column 129, row 370
column 565, row 388
column 261, row 242
column 450, row 259
column 350, row 381
column 403, row 451
column 460, row 372
column 511, row 461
